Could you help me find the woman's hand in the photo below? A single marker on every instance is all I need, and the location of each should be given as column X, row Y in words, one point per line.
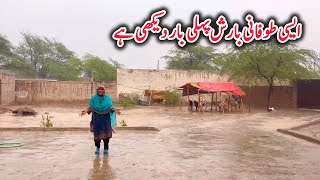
column 113, row 129
column 118, row 112
column 83, row 112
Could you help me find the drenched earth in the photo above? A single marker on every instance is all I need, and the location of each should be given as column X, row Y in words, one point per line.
column 311, row 131
column 24, row 111
column 189, row 146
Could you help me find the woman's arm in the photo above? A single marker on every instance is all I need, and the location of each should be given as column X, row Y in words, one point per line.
column 89, row 110
column 114, row 110
column 118, row 111
column 86, row 111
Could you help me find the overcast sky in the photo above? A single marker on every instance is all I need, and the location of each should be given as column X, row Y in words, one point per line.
column 84, row 26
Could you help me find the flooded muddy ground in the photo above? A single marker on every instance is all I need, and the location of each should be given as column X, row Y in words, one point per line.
column 189, row 146
column 312, row 131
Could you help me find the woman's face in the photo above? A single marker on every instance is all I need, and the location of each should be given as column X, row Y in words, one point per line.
column 101, row 91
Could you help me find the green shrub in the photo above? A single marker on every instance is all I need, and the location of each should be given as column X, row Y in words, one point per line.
column 123, row 123
column 128, row 102
column 171, row 98
column 46, row 122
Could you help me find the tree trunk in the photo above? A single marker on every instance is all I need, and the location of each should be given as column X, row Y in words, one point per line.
column 250, row 99
column 41, row 74
column 211, row 101
column 269, row 94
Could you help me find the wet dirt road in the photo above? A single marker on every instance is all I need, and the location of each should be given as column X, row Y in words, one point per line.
column 191, row 147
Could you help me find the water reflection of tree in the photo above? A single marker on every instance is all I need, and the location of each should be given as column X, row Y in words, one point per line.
column 101, row 168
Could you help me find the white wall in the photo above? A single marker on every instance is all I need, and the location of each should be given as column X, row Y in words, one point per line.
column 136, row 80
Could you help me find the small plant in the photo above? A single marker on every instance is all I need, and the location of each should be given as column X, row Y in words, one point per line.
column 123, row 123
column 171, row 98
column 46, row 121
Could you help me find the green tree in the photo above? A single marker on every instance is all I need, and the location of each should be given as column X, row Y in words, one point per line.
column 6, row 50
column 42, row 52
column 70, row 70
column 101, row 70
column 315, row 65
column 268, row 62
column 42, row 57
column 194, row 57
column 21, row 68
column 11, row 62
column 115, row 64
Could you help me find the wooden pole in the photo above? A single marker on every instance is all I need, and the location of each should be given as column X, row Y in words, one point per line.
column 241, row 104
column 229, row 104
column 188, row 97
column 221, row 102
column 211, row 101
column 144, row 92
column 181, row 100
column 188, row 91
column 216, row 100
column 150, row 98
column 198, row 100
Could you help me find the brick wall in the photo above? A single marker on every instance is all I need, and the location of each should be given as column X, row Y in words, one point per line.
column 282, row 97
column 7, row 88
column 46, row 91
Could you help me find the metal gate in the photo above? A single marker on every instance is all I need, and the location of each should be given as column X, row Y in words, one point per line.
column 308, row 94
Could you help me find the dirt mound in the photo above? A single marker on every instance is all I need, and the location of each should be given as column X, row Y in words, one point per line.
column 4, row 110
column 24, row 111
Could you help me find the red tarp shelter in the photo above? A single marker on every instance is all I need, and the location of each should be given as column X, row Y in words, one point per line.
column 211, row 87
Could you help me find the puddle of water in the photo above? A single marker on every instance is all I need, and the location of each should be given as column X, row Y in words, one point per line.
column 209, row 146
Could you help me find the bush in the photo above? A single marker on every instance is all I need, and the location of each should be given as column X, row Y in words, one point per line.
column 128, row 102
column 46, row 122
column 123, row 123
column 171, row 98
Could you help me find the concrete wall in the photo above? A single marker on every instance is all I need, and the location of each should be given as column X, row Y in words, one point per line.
column 46, row 91
column 136, row 80
column 7, row 88
column 132, row 81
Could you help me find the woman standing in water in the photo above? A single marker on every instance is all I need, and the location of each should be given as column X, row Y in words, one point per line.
column 103, row 118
